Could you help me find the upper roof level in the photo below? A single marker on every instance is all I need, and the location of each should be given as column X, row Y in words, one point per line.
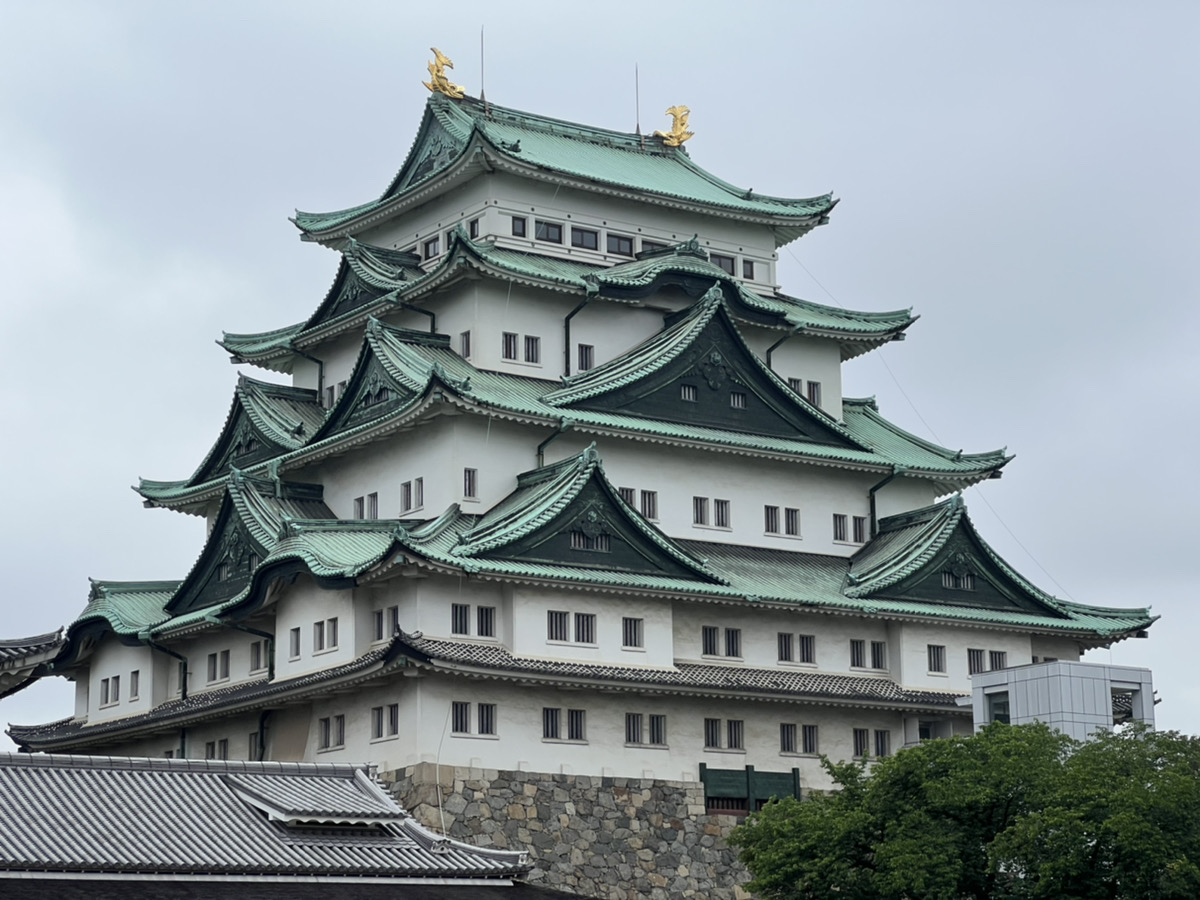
column 460, row 139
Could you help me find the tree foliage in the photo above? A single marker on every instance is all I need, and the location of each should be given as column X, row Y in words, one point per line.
column 1014, row 812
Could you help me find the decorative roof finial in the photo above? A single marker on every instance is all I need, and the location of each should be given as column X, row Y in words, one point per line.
column 438, row 82
column 679, row 123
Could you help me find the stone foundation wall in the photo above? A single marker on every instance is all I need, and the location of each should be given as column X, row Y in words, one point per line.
column 613, row 838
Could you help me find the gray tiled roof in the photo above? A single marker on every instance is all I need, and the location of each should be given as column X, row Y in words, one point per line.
column 15, row 651
column 110, row 815
column 689, row 677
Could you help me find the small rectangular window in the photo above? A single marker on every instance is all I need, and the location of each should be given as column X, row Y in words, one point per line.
column 181, row 675
column 378, row 628
column 135, row 678
column 377, row 722
column 508, row 345
column 486, row 718
column 432, row 248
column 787, row 738
column 473, row 229
column 937, row 657
column 518, row 226
column 418, row 493
column 688, row 393
column 360, row 507
column 631, row 632
column 258, row 656
column 330, row 400
column 557, row 623
column 294, row 644
column 587, row 357
column 858, row 654
column 860, row 529
column 406, row 499
column 551, row 232
column 210, row 749
column 104, row 691
column 650, row 505
column 709, row 637
column 975, row 662
column 551, row 723
column 791, row 522
column 839, row 527
column 797, row 385
column 628, row 495
column 814, row 393
column 223, row 665
column 806, row 644
column 787, row 649
column 862, row 742
column 722, row 262
column 460, row 618
column 585, row 238
column 700, row 510
column 470, row 483
column 620, row 245
column 253, row 750
column 712, row 733
column 393, row 619
column 771, row 519
column 212, row 668
column 460, row 717
column 748, row 269
column 735, row 730
column 585, row 628
column 464, row 345
column 393, row 719
column 808, row 738
column 324, row 734
column 633, row 728
column 721, row 513
column 372, row 506
column 115, row 695
column 658, row 730
column 485, row 621
column 997, row 659
column 533, row 349
column 878, row 655
column 733, row 642
column 653, row 246
column 883, row 743
column 737, row 399
column 318, row 636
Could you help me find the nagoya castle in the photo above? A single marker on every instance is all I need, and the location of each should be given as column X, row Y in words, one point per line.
column 555, row 479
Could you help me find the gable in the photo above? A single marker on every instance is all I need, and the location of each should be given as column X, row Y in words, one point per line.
column 716, row 381
column 241, row 445
column 371, row 394
column 962, row 573
column 225, row 566
column 435, row 149
column 594, row 531
column 349, row 292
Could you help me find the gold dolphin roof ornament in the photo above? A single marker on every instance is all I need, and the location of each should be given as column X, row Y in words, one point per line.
column 438, row 82
column 679, row 123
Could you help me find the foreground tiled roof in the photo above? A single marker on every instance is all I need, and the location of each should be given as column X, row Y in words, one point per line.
column 684, row 677
column 71, row 814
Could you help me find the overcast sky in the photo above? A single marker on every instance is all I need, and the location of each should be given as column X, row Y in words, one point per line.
column 1024, row 175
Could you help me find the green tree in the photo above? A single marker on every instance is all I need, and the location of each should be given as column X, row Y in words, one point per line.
column 1013, row 812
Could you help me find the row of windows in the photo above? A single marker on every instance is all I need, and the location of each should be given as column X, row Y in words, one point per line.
column 995, row 659
column 412, row 496
column 485, row 620
column 324, row 637
column 558, row 628
column 432, row 247
column 110, row 688
column 648, row 505
column 510, row 342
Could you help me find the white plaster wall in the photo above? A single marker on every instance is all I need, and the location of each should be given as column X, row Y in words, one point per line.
column 299, row 606
column 110, row 658
column 1066, row 649
column 760, row 630
column 613, row 329
column 433, row 219
column 530, row 607
column 196, row 650
column 339, row 356
column 808, row 358
column 748, row 483
column 911, row 658
column 904, row 494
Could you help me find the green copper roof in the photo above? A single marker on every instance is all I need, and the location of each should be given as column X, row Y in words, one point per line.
column 452, row 132
column 264, row 421
column 349, row 302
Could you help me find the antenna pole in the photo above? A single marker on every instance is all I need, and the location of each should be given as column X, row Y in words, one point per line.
column 482, row 92
column 637, row 102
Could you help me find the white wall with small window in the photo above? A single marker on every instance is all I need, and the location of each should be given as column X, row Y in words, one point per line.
column 810, row 360
column 816, row 492
column 315, row 628
column 592, row 628
column 112, row 688
column 917, row 648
